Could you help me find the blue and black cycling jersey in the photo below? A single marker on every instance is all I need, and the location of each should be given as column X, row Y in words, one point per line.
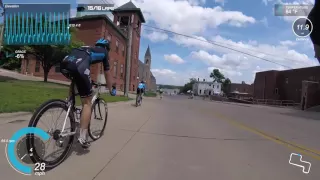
column 97, row 54
column 141, row 86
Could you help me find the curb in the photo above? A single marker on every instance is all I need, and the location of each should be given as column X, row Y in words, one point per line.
column 15, row 114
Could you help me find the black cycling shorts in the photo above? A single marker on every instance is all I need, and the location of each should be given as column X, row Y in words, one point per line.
column 76, row 67
column 139, row 90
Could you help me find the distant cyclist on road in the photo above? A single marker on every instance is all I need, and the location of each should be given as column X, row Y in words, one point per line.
column 314, row 17
column 141, row 88
column 76, row 66
column 161, row 92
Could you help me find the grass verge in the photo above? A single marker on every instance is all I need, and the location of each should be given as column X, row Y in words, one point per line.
column 19, row 95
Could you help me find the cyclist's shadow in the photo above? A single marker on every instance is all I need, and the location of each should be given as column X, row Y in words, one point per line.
column 76, row 149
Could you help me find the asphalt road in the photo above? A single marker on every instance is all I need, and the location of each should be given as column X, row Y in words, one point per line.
column 182, row 139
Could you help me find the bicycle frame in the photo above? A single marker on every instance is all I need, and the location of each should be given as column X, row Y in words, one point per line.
column 71, row 105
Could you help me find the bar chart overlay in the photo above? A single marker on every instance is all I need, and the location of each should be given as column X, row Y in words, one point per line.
column 36, row 24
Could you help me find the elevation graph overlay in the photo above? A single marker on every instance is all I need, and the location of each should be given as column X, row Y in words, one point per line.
column 36, row 24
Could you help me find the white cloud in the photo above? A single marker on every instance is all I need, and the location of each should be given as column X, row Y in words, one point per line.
column 73, row 12
column 195, row 2
column 180, row 14
column 173, row 58
column 288, row 43
column 156, row 36
column 232, row 64
column 276, row 53
column 167, row 76
column 158, row 72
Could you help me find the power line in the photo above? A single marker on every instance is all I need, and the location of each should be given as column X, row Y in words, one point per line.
column 215, row 43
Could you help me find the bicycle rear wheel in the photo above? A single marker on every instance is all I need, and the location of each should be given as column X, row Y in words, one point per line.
column 53, row 132
column 100, row 115
column 137, row 100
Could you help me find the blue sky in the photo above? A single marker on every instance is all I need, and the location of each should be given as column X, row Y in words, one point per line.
column 249, row 27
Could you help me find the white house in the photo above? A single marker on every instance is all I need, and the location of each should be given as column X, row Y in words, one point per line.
column 206, row 88
column 171, row 91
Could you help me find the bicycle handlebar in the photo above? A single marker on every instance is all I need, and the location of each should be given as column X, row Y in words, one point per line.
column 98, row 84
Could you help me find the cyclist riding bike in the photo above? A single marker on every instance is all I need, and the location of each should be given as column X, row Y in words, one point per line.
column 76, row 66
column 141, row 88
column 161, row 92
column 315, row 36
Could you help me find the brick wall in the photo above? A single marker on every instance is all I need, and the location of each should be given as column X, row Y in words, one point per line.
column 284, row 85
column 265, row 85
column 243, row 88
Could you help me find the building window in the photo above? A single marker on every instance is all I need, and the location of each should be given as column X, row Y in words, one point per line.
column 37, row 69
column 213, row 86
column 121, row 71
column 276, row 91
column 117, row 46
column 109, row 37
column 57, row 68
column 123, row 51
column 200, row 91
column 115, row 69
column 287, row 80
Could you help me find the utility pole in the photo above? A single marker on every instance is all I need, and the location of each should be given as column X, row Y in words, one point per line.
column 128, row 60
column 1, row 25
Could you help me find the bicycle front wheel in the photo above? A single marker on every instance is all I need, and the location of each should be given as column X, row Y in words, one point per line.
column 99, row 117
column 54, row 131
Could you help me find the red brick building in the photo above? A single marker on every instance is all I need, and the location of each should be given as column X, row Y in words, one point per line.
column 242, row 88
column 286, row 85
column 94, row 27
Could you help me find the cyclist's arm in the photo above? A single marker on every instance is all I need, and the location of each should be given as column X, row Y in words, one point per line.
column 106, row 65
column 107, row 74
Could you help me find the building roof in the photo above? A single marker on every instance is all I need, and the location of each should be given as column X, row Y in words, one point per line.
column 206, row 82
column 130, row 7
column 148, row 53
column 100, row 16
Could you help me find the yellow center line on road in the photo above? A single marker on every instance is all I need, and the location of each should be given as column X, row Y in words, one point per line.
column 293, row 146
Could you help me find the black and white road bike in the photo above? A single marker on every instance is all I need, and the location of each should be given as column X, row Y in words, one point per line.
column 64, row 136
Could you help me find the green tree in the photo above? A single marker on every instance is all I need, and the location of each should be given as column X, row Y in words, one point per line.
column 226, row 85
column 50, row 55
column 217, row 76
column 7, row 59
column 188, row 86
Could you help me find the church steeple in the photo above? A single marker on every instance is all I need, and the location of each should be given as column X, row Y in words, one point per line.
column 148, row 53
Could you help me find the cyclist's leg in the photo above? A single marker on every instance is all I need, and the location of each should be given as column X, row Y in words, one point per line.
column 138, row 93
column 142, row 91
column 84, row 86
